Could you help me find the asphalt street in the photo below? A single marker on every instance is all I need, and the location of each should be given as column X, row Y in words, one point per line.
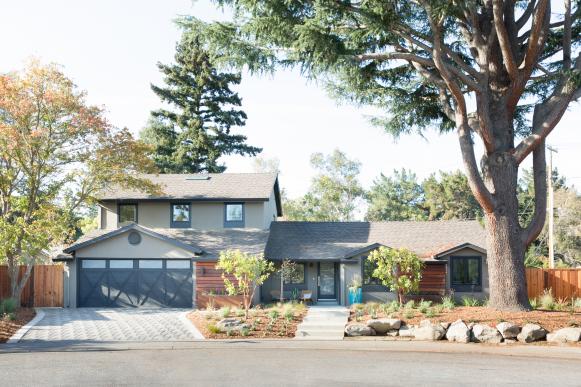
column 288, row 363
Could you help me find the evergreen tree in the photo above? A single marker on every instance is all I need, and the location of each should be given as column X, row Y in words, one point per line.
column 449, row 197
column 195, row 133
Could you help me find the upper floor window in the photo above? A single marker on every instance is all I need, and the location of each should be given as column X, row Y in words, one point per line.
column 127, row 213
column 234, row 215
column 180, row 215
column 466, row 274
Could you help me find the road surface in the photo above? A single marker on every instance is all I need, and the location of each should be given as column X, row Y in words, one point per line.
column 288, row 363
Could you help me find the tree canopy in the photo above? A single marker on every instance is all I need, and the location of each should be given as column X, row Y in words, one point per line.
column 56, row 153
column 196, row 132
column 496, row 71
column 334, row 193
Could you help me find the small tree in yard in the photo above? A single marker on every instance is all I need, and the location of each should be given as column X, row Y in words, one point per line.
column 289, row 271
column 250, row 271
column 398, row 269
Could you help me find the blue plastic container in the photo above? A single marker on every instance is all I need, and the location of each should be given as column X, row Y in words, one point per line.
column 355, row 296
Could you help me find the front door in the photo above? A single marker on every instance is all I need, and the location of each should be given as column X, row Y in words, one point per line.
column 326, row 280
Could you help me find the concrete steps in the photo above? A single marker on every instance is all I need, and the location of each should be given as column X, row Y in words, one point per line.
column 323, row 323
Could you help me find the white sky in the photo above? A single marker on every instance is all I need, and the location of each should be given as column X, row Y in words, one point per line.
column 110, row 49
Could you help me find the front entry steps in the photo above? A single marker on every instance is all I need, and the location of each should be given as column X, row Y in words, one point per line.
column 321, row 302
column 323, row 323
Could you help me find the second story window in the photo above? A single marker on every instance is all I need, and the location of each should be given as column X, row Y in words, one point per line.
column 127, row 213
column 234, row 215
column 180, row 215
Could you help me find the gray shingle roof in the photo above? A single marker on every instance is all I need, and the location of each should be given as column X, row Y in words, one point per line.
column 251, row 241
column 336, row 240
column 219, row 186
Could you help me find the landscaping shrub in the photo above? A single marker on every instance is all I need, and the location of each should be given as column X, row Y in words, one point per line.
column 534, row 303
column 409, row 313
column 448, row 302
column 470, row 301
column 546, row 300
column 12, row 316
column 410, row 304
column 213, row 329
column 576, row 303
column 438, row 309
column 8, row 305
column 244, row 332
column 288, row 315
column 225, row 311
column 239, row 312
column 358, row 306
column 423, row 306
column 430, row 313
column 273, row 314
column 561, row 304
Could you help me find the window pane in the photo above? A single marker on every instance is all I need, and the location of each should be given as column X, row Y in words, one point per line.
column 181, row 213
column 234, row 212
column 127, row 213
column 121, row 264
column 94, row 263
column 299, row 279
column 150, row 264
column 368, row 269
column 473, row 274
column 177, row 264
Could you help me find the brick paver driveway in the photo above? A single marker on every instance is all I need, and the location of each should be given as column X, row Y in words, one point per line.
column 98, row 324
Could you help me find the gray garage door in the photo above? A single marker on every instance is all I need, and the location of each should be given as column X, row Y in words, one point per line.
column 135, row 283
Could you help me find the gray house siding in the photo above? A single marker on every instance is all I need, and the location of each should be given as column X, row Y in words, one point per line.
column 273, row 283
column 467, row 252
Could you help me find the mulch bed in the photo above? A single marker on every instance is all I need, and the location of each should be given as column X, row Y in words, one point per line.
column 9, row 328
column 281, row 329
column 550, row 320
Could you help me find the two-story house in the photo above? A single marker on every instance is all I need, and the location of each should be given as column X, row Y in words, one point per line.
column 160, row 251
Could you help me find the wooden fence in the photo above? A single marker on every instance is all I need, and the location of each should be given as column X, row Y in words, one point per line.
column 564, row 283
column 44, row 288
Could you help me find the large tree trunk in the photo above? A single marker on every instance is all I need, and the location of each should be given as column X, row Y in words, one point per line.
column 506, row 271
column 16, row 284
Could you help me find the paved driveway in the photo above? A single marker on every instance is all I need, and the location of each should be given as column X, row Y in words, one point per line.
column 98, row 324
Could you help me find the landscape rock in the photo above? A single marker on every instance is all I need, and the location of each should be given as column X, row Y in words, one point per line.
column 231, row 324
column 458, row 332
column 406, row 331
column 482, row 333
column 382, row 325
column 530, row 333
column 428, row 332
column 508, row 330
column 445, row 325
column 565, row 335
column 359, row 330
column 392, row 332
column 510, row 341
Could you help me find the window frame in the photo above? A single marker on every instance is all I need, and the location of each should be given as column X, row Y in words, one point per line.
column 465, row 288
column 180, row 224
column 134, row 204
column 370, row 287
column 234, row 223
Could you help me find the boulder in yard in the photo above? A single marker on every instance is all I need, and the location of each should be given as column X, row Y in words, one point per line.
column 428, row 331
column 531, row 333
column 482, row 333
column 392, row 332
column 565, row 335
column 458, row 332
column 508, row 330
column 382, row 325
column 231, row 324
column 359, row 330
column 406, row 331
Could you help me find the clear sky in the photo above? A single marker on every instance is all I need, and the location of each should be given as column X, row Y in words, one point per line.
column 110, row 49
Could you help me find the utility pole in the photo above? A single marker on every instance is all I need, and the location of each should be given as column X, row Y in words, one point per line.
column 551, row 207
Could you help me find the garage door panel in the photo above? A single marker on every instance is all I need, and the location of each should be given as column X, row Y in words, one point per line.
column 151, row 288
column 93, row 288
column 179, row 288
column 137, row 283
column 123, row 288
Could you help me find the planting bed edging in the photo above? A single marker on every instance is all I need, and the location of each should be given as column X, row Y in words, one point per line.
column 459, row 331
column 22, row 331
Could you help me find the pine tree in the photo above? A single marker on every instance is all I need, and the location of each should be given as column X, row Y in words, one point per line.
column 192, row 135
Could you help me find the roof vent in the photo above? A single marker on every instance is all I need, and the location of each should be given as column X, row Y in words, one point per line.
column 198, row 177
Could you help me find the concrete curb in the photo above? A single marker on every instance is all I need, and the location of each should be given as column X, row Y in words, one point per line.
column 190, row 325
column 22, row 331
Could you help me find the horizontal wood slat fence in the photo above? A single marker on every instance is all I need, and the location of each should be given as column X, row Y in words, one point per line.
column 43, row 289
column 564, row 283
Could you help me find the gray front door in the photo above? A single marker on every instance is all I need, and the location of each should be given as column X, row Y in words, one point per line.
column 326, row 280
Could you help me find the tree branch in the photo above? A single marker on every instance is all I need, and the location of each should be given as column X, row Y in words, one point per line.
column 532, row 231
column 504, row 40
column 537, row 37
column 522, row 20
column 567, row 36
